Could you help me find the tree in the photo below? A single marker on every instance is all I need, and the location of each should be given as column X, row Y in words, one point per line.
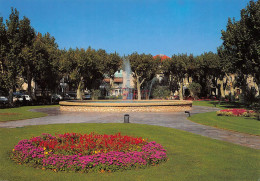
column 44, row 51
column 177, row 67
column 195, row 89
column 3, row 50
column 12, row 61
column 14, row 37
column 241, row 41
column 205, row 70
column 27, row 36
column 144, row 68
column 161, row 92
column 112, row 64
column 87, row 68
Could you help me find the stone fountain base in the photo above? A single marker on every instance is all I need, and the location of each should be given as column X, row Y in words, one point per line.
column 126, row 106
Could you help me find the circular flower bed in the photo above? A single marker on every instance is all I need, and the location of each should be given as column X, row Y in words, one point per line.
column 87, row 152
column 236, row 112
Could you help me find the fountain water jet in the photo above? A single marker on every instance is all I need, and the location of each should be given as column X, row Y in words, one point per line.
column 127, row 89
column 151, row 85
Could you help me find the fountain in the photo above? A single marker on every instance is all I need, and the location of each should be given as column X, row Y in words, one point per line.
column 151, row 85
column 127, row 89
column 127, row 104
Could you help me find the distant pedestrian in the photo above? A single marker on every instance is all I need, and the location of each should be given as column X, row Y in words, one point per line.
column 24, row 101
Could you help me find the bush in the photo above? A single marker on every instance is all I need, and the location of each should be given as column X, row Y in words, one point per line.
column 161, row 92
column 113, row 97
column 248, row 96
column 195, row 89
column 95, row 94
column 256, row 107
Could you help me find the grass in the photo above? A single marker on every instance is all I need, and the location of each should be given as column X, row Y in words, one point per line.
column 239, row 124
column 11, row 114
column 191, row 157
column 221, row 104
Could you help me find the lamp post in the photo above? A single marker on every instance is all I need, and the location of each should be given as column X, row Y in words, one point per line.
column 126, row 118
column 187, row 112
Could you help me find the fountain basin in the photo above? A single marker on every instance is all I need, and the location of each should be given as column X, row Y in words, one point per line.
column 126, row 106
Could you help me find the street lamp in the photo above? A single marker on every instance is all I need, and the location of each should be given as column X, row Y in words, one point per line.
column 126, row 118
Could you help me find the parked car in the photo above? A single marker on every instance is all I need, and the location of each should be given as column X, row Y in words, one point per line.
column 24, row 98
column 59, row 96
column 86, row 96
column 72, row 95
column 56, row 97
column 66, row 97
column 3, row 101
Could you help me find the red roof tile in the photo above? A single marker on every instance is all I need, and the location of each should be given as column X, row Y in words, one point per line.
column 162, row 57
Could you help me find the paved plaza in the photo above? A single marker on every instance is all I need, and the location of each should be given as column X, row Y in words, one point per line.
column 177, row 120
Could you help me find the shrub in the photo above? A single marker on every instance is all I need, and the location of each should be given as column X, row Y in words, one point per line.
column 248, row 96
column 161, row 92
column 256, row 107
column 95, row 94
column 195, row 89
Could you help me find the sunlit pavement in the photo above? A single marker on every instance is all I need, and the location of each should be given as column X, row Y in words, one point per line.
column 176, row 120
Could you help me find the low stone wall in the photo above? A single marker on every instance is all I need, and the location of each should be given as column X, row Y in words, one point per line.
column 126, row 109
column 123, row 106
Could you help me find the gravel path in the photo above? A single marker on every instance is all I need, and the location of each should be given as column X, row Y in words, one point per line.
column 169, row 119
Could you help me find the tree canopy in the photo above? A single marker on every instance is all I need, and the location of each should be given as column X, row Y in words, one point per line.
column 144, row 68
column 241, row 41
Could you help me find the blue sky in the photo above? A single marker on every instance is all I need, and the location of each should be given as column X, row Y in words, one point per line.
column 146, row 26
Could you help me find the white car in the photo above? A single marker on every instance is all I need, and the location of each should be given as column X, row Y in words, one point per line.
column 27, row 98
column 3, row 100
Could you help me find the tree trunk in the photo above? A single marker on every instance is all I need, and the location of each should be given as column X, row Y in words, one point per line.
column 222, row 91
column 79, row 90
column 29, row 79
column 181, row 91
column 232, row 92
column 11, row 96
column 138, row 86
column 257, row 81
column 2, row 67
column 112, row 86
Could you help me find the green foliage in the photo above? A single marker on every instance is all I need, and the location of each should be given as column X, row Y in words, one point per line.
column 161, row 92
column 10, row 59
column 256, row 107
column 25, row 55
column 206, row 71
column 86, row 68
column 195, row 89
column 95, row 94
column 45, row 50
column 248, row 96
column 177, row 69
column 113, row 97
column 144, row 68
column 241, row 41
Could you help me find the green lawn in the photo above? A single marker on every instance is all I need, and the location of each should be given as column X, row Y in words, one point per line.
column 221, row 104
column 191, row 157
column 240, row 124
column 19, row 113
